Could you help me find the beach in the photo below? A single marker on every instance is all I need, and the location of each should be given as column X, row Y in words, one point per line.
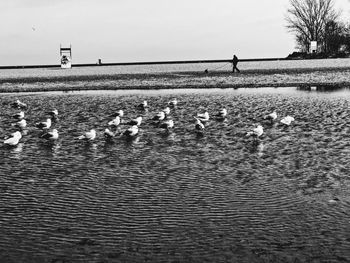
column 177, row 195
column 270, row 74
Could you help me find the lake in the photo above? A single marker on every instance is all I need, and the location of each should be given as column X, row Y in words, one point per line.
column 178, row 196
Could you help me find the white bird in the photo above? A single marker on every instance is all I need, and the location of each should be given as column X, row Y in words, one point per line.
column 19, row 104
column 256, row 132
column 115, row 122
column 143, row 105
column 108, row 134
column 159, row 117
column 20, row 124
column 203, row 117
column 199, row 126
column 287, row 120
column 44, row 125
column 167, row 124
column 119, row 113
column 173, row 102
column 166, row 111
column 136, row 121
column 221, row 114
column 14, row 139
column 53, row 113
column 132, row 131
column 51, row 135
column 88, row 136
column 272, row 116
column 19, row 115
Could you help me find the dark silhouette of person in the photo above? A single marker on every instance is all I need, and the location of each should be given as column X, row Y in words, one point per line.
column 234, row 64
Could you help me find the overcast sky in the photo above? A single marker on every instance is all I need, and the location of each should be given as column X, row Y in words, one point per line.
column 144, row 30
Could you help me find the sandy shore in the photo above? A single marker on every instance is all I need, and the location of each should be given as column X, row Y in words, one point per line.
column 212, row 79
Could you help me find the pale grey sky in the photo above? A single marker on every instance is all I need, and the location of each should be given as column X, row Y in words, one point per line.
column 144, row 30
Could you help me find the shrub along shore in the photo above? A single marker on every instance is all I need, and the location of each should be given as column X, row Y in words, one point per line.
column 338, row 77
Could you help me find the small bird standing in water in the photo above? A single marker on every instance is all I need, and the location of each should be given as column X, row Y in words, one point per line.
column 108, row 134
column 287, row 120
column 14, row 139
column 143, row 105
column 136, row 121
column 132, row 131
column 19, row 115
column 199, row 126
column 203, row 117
column 169, row 124
column 44, row 125
column 256, row 132
column 115, row 122
column 51, row 135
column 18, row 104
column 88, row 136
column 173, row 102
column 20, row 124
column 272, row 116
column 221, row 114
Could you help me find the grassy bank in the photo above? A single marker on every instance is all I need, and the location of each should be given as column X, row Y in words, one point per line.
column 212, row 79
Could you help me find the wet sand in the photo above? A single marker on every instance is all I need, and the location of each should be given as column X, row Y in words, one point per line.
column 172, row 80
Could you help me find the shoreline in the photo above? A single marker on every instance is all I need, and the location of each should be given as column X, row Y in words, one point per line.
column 329, row 77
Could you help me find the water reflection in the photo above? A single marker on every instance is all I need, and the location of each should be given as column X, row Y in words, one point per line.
column 16, row 151
column 324, row 88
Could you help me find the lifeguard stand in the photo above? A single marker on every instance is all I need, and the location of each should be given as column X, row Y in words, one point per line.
column 66, row 56
column 313, row 47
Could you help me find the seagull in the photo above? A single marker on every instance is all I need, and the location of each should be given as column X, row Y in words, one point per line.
column 167, row 125
column 20, row 124
column 108, row 134
column 159, row 117
column 88, row 136
column 18, row 104
column 166, row 111
column 256, row 132
column 221, row 114
column 14, row 139
column 287, row 120
column 136, row 121
column 53, row 113
column 132, row 131
column 44, row 125
column 272, row 116
column 143, row 105
column 19, row 116
column 173, row 102
column 115, row 122
column 119, row 113
column 51, row 135
column 199, row 126
column 203, row 117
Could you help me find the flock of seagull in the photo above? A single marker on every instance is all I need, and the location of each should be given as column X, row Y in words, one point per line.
column 161, row 118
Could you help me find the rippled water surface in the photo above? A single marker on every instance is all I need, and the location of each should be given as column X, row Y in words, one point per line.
column 177, row 196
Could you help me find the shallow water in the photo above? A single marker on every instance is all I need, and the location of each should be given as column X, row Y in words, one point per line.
column 179, row 197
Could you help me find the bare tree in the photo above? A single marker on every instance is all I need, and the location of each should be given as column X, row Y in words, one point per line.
column 307, row 19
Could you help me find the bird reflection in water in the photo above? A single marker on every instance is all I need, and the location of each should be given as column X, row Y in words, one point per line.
column 16, row 152
column 51, row 148
column 257, row 147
